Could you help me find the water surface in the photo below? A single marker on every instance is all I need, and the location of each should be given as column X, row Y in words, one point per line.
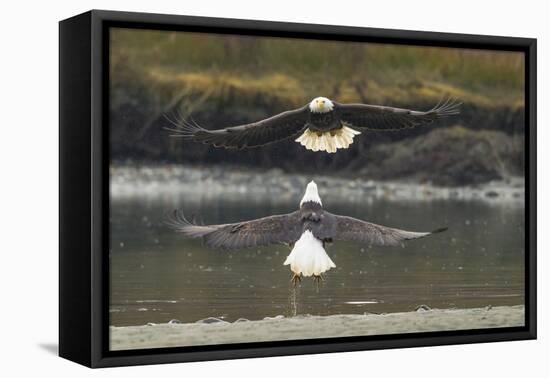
column 157, row 275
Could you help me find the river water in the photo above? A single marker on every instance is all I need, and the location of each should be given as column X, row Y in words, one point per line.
column 156, row 275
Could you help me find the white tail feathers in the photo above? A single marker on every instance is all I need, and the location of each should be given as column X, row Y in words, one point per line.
column 308, row 257
column 328, row 141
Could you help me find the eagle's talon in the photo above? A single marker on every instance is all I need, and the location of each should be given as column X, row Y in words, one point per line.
column 318, row 280
column 296, row 278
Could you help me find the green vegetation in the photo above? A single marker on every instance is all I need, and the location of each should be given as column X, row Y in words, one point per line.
column 297, row 70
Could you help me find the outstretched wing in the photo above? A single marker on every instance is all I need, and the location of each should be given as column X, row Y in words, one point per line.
column 281, row 126
column 275, row 229
column 386, row 118
column 352, row 229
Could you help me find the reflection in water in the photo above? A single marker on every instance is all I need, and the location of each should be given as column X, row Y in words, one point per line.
column 157, row 275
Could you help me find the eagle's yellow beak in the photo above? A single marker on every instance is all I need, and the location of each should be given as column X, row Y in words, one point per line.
column 321, row 105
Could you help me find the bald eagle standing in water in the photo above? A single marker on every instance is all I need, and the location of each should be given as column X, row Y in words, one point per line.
column 321, row 125
column 306, row 230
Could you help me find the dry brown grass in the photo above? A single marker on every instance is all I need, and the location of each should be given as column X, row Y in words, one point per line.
column 294, row 71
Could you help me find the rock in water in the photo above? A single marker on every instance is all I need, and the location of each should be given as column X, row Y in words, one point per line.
column 211, row 320
column 422, row 308
column 274, row 317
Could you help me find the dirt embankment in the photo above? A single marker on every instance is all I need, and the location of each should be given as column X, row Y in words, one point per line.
column 484, row 143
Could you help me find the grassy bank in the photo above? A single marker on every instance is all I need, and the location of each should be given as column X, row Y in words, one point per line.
column 348, row 70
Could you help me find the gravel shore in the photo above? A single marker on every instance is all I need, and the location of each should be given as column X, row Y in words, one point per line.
column 215, row 331
column 195, row 183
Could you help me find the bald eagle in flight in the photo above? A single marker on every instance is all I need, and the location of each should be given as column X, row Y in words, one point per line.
column 306, row 230
column 321, row 125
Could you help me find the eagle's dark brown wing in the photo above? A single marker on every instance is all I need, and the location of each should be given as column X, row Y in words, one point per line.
column 275, row 229
column 386, row 118
column 281, row 126
column 352, row 229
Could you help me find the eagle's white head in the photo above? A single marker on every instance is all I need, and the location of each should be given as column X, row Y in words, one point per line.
column 321, row 105
column 311, row 194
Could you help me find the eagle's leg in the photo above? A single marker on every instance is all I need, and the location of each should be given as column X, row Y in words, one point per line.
column 318, row 279
column 296, row 278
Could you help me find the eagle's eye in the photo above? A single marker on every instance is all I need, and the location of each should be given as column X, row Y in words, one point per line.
column 323, row 101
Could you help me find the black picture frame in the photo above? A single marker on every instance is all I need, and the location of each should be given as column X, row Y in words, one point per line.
column 84, row 190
